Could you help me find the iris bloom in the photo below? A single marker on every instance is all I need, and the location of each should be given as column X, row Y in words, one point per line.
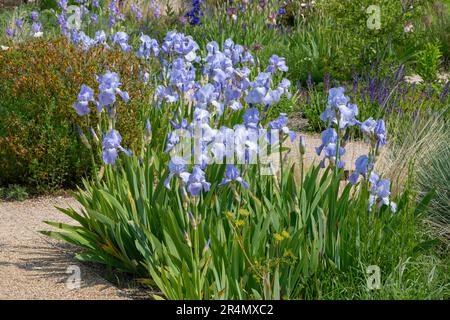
column 380, row 192
column 281, row 125
column 84, row 97
column 121, row 39
column 277, row 64
column 109, row 86
column 374, row 130
column 362, row 166
column 177, row 168
column 197, row 182
column 111, row 143
column 148, row 47
column 34, row 15
column 339, row 110
column 232, row 174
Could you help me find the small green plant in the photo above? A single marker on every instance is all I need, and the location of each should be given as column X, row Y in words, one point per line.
column 428, row 61
column 13, row 192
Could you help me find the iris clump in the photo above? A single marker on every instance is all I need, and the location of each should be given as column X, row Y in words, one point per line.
column 108, row 88
column 340, row 115
column 201, row 192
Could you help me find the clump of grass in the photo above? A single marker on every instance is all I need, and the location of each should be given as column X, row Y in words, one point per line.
column 13, row 192
column 434, row 174
column 412, row 140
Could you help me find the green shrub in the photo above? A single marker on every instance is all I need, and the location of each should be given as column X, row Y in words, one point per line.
column 428, row 61
column 13, row 192
column 39, row 81
column 362, row 44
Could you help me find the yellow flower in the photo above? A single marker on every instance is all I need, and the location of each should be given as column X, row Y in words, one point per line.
column 278, row 237
column 244, row 212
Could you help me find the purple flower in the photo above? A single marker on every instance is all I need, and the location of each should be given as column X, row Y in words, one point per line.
column 380, row 192
column 19, row 23
column 336, row 97
column 232, row 174
column 10, row 33
column 362, row 166
column 339, row 110
column 374, row 130
column 121, row 39
column 148, row 47
column 281, row 11
column 81, row 107
column 281, row 124
column 63, row 24
column 110, row 145
column 148, row 128
column 172, row 140
column 111, row 21
column 256, row 95
column 302, row 145
column 380, row 131
column 246, row 143
column 251, row 117
column 155, row 8
column 277, row 64
column 348, row 115
column 109, row 86
column 94, row 18
column 177, row 168
column 328, row 136
column 34, row 15
column 36, row 27
column 329, row 148
column 63, row 4
column 100, row 37
column 197, row 182
column 206, row 95
column 85, row 95
column 167, row 94
column 368, row 126
column 330, row 153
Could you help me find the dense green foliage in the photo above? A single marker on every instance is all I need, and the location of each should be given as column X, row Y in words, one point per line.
column 300, row 234
column 280, row 239
column 39, row 141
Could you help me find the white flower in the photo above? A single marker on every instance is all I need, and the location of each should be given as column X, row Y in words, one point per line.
column 415, row 78
column 408, row 27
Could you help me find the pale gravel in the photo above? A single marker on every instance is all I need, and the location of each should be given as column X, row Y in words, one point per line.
column 33, row 266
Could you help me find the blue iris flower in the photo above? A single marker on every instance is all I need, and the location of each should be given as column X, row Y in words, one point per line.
column 110, row 145
column 232, row 174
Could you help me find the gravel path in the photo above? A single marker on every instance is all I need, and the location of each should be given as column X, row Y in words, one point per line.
column 33, row 266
